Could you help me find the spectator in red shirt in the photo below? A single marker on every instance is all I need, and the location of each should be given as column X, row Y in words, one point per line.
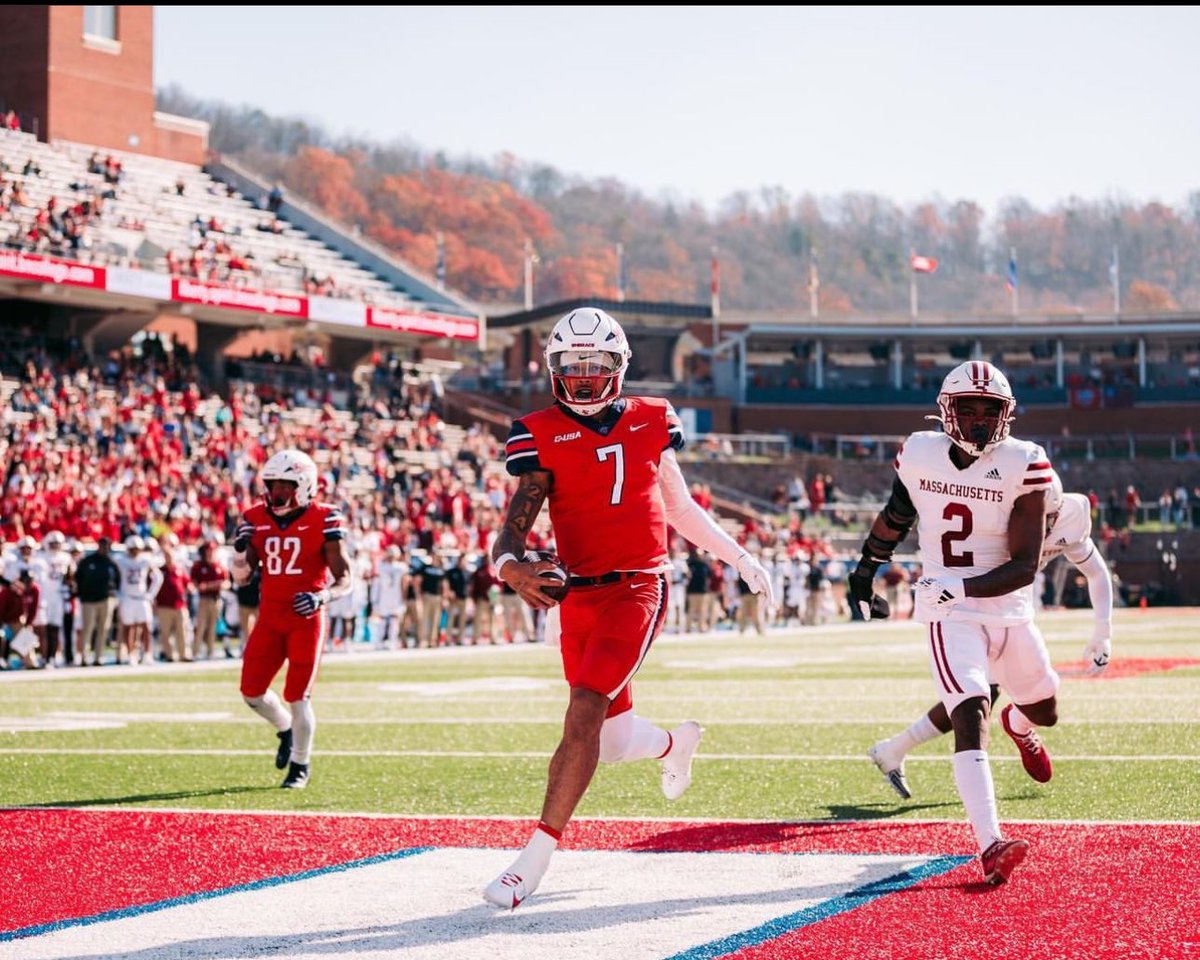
column 210, row 579
column 171, row 605
column 18, row 607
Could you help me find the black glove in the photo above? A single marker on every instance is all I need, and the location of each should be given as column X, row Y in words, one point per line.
column 242, row 535
column 870, row 604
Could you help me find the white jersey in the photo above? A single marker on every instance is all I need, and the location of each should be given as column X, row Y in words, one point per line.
column 58, row 593
column 386, row 597
column 1070, row 531
column 963, row 517
column 140, row 578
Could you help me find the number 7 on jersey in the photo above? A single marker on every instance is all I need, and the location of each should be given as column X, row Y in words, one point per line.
column 618, row 454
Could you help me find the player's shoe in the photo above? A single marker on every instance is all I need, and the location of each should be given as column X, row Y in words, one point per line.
column 1001, row 859
column 297, row 777
column 510, row 890
column 677, row 764
column 891, row 768
column 1034, row 757
column 284, row 753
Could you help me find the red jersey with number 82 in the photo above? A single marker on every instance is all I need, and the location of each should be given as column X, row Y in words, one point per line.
column 291, row 557
column 605, row 505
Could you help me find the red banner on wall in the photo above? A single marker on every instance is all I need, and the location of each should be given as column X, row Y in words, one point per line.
column 30, row 266
column 430, row 324
column 238, row 298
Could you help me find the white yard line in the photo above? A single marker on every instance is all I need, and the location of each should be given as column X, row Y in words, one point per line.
column 543, row 754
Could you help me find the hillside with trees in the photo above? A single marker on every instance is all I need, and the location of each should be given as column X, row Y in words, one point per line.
column 402, row 195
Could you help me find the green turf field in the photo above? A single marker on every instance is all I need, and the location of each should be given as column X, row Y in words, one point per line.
column 788, row 719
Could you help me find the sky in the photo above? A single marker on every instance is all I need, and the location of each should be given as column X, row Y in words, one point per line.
column 696, row 104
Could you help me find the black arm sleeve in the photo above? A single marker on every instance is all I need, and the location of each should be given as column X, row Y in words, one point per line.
column 898, row 516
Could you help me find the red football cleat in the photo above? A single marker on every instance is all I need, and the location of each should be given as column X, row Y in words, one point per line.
column 1001, row 859
column 1034, row 757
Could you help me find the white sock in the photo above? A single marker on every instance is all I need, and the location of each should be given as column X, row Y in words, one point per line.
column 271, row 709
column 973, row 776
column 1018, row 722
column 532, row 862
column 304, row 725
column 630, row 737
column 921, row 731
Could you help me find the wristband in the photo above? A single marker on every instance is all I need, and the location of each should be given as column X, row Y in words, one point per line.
column 502, row 560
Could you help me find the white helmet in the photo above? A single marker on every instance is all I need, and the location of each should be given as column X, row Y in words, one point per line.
column 295, row 467
column 976, row 435
column 54, row 540
column 587, row 356
column 134, row 542
column 27, row 543
column 1054, row 495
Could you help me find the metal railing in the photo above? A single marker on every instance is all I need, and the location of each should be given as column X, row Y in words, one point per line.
column 1124, row 446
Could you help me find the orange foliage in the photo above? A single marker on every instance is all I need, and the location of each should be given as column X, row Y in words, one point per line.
column 1146, row 297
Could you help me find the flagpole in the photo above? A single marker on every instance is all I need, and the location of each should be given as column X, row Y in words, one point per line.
column 1012, row 262
column 1114, row 271
column 528, row 273
column 814, row 284
column 620, row 273
column 716, row 296
column 441, row 261
column 912, row 285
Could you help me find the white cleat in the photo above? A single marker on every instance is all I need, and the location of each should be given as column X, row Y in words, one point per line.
column 677, row 764
column 891, row 768
column 509, row 890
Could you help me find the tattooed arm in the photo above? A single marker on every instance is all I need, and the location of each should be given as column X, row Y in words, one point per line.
column 509, row 549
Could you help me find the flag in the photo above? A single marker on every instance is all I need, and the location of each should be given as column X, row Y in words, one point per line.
column 441, row 260
column 922, row 264
column 1010, row 280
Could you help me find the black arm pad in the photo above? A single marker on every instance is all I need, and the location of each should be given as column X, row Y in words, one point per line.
column 899, row 513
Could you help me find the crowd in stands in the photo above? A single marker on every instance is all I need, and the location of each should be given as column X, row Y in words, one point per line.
column 129, row 451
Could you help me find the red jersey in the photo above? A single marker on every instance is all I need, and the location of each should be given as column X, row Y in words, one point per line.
column 605, row 504
column 291, row 555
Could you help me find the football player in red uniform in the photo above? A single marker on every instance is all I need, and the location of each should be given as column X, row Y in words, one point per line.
column 607, row 464
column 297, row 544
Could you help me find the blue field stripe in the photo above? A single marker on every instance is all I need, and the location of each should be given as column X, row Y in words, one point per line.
column 205, row 895
column 828, row 908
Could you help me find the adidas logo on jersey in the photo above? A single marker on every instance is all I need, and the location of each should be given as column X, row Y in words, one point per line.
column 1062, row 541
column 564, row 437
column 992, row 474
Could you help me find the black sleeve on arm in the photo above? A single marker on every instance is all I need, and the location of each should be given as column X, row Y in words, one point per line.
column 900, row 513
column 520, row 451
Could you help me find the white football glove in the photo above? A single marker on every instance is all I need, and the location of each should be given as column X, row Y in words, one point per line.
column 756, row 577
column 941, row 593
column 1098, row 651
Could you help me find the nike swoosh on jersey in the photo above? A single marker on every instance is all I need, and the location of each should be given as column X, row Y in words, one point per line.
column 638, row 427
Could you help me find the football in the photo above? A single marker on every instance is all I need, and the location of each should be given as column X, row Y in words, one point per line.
column 559, row 578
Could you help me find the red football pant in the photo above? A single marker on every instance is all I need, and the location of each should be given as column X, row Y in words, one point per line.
column 281, row 635
column 607, row 632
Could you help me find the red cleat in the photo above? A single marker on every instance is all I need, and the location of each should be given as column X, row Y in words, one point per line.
column 1034, row 757
column 1001, row 859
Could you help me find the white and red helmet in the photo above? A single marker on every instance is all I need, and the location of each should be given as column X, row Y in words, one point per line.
column 295, row 467
column 587, row 356
column 976, row 435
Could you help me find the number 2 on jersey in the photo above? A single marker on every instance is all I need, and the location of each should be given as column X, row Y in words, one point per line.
column 618, row 454
column 275, row 548
column 950, row 537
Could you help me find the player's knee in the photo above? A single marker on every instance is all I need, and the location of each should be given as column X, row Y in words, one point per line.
column 253, row 702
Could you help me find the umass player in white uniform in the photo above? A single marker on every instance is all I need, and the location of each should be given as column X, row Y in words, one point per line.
column 981, row 499
column 1068, row 534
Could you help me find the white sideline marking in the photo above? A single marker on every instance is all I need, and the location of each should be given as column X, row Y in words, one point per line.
column 66, row 720
column 544, row 754
column 429, row 907
column 477, row 685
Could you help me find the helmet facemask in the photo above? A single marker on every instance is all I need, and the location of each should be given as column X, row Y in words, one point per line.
column 586, row 381
column 976, row 423
column 281, row 497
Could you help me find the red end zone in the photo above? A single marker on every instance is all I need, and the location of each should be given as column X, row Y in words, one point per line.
column 1096, row 890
